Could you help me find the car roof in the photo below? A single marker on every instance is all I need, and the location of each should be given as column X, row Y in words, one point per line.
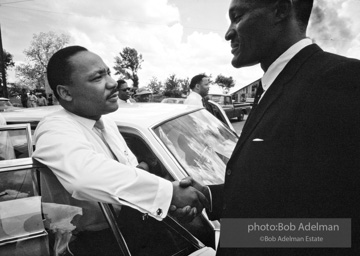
column 134, row 115
column 219, row 94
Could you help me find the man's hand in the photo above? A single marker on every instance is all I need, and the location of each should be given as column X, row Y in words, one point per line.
column 189, row 181
column 187, row 200
column 188, row 213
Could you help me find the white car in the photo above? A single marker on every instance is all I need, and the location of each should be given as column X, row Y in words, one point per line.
column 173, row 100
column 6, row 105
column 176, row 141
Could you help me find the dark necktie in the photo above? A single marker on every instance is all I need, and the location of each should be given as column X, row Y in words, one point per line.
column 259, row 92
column 114, row 149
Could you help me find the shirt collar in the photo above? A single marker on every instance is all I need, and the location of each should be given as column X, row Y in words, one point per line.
column 279, row 64
column 88, row 123
column 196, row 94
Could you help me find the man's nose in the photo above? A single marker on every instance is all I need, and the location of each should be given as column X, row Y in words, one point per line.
column 111, row 83
column 229, row 33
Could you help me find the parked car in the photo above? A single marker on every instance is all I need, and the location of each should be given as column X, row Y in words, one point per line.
column 217, row 109
column 173, row 100
column 6, row 105
column 232, row 109
column 176, row 141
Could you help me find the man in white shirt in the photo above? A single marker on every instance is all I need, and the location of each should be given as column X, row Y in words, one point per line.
column 124, row 92
column 86, row 152
column 199, row 89
column 293, row 159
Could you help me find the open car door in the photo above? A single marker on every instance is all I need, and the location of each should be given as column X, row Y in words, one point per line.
column 221, row 115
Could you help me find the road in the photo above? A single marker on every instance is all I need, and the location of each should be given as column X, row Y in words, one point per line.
column 238, row 125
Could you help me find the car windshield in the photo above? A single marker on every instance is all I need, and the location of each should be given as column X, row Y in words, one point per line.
column 200, row 143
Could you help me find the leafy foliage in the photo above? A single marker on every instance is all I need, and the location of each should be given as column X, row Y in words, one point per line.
column 224, row 81
column 42, row 47
column 154, row 85
column 172, row 87
column 128, row 65
column 8, row 61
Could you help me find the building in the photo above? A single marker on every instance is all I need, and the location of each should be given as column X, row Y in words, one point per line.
column 245, row 93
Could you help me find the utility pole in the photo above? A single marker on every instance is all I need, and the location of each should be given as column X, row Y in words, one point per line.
column 2, row 60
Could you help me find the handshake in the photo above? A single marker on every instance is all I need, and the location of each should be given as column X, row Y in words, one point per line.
column 189, row 199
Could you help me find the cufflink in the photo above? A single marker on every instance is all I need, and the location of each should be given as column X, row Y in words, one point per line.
column 159, row 212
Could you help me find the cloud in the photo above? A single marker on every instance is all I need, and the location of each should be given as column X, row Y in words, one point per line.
column 331, row 27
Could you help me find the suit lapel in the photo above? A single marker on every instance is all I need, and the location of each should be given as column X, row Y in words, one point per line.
column 274, row 93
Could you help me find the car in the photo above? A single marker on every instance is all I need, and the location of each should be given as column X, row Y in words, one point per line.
column 173, row 100
column 6, row 105
column 232, row 109
column 176, row 141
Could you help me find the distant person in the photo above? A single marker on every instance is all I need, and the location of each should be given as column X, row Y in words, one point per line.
column 124, row 92
column 41, row 101
column 24, row 98
column 50, row 100
column 199, row 89
column 143, row 96
column 32, row 100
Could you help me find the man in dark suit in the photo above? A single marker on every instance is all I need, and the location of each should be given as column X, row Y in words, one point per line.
column 299, row 153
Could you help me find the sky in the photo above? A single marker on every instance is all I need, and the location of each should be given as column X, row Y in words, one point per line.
column 182, row 37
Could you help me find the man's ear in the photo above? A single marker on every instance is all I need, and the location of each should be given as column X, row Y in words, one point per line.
column 284, row 9
column 197, row 88
column 64, row 92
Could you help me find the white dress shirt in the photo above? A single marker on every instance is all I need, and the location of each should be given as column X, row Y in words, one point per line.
column 85, row 166
column 193, row 99
column 279, row 64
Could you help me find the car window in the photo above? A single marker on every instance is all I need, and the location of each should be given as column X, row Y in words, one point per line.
column 199, row 227
column 227, row 100
column 200, row 143
column 14, row 142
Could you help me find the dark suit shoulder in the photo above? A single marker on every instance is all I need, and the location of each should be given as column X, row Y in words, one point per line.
column 337, row 72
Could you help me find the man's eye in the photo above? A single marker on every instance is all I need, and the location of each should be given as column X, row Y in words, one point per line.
column 97, row 78
column 237, row 18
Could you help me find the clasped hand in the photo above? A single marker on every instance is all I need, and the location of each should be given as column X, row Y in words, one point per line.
column 189, row 199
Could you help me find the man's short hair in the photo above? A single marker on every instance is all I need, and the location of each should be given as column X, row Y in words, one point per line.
column 59, row 68
column 196, row 80
column 120, row 82
column 302, row 10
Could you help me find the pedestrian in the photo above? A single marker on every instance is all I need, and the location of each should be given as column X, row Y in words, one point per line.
column 124, row 92
column 298, row 154
column 41, row 101
column 24, row 98
column 32, row 100
column 199, row 89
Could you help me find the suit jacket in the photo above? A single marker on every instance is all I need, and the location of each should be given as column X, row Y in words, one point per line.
column 308, row 164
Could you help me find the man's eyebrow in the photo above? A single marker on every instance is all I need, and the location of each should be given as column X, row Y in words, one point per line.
column 100, row 71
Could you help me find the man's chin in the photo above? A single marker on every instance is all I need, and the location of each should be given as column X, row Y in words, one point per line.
column 237, row 62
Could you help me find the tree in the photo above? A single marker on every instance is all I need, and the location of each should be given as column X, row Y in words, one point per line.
column 184, row 84
column 9, row 63
column 42, row 47
column 154, row 86
column 128, row 65
column 172, row 87
column 224, row 81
